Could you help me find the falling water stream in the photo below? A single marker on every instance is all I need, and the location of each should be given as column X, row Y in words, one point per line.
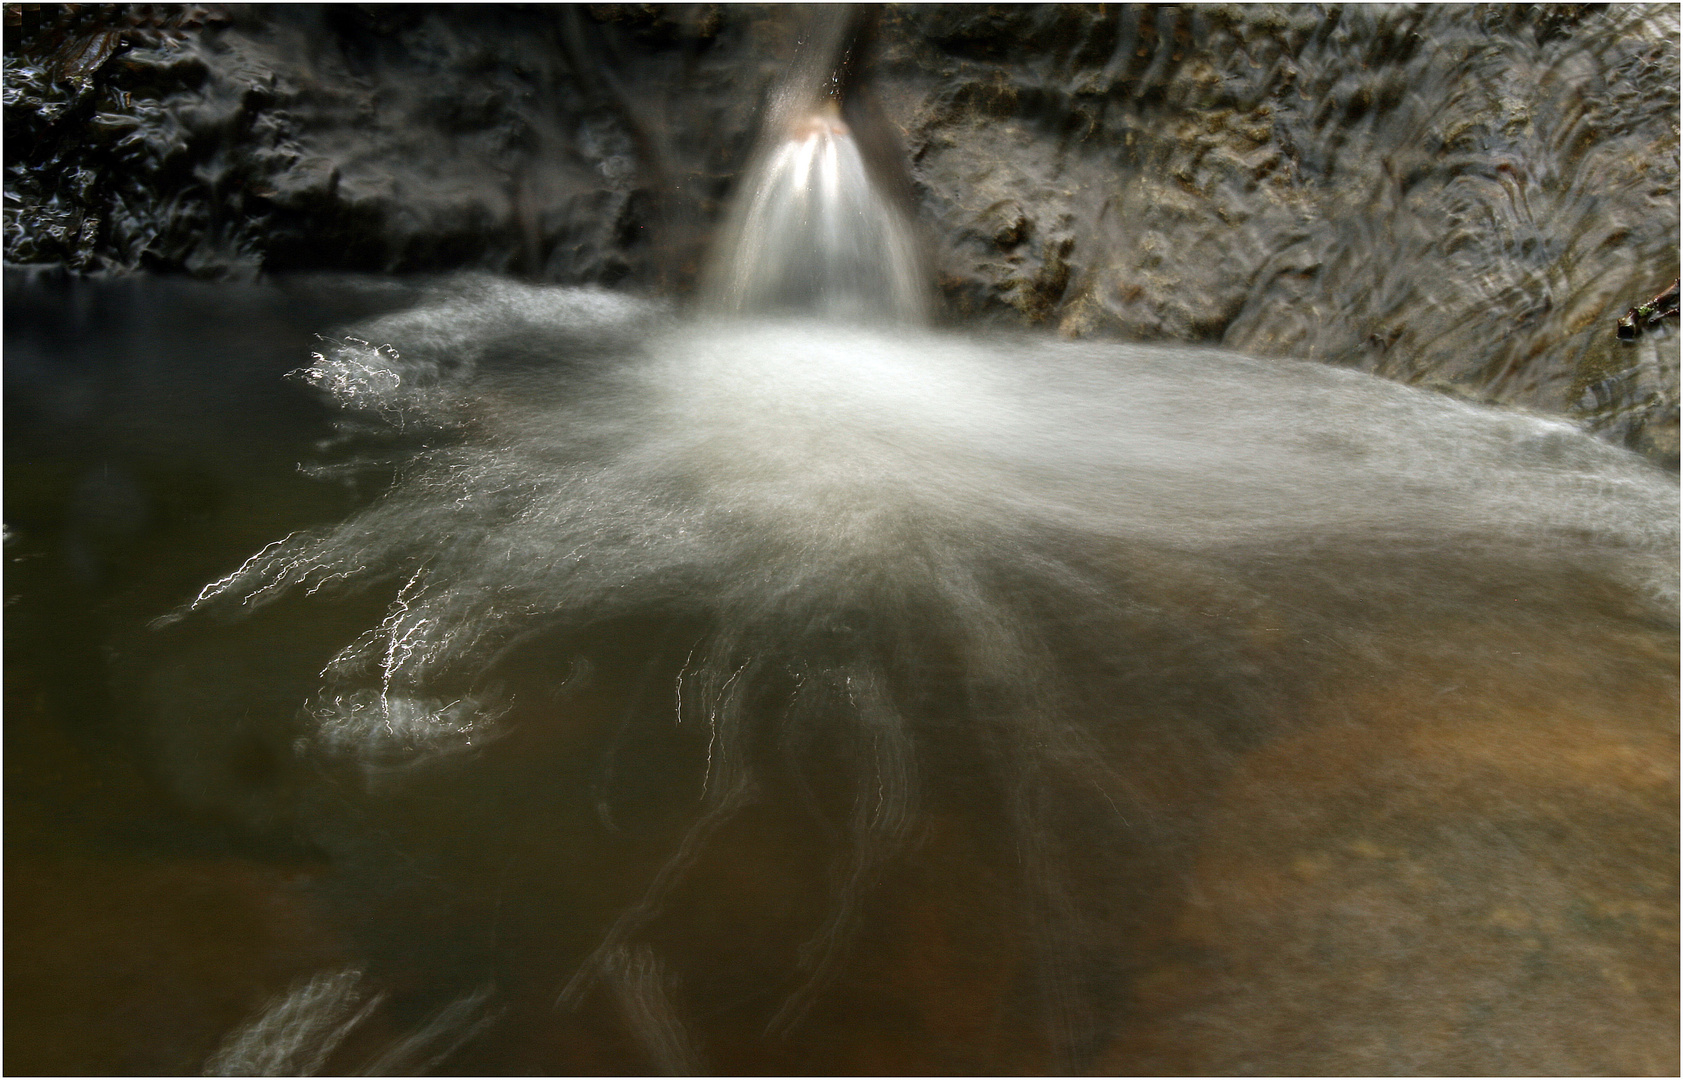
column 786, row 683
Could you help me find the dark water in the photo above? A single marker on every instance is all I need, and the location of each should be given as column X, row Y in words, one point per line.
column 635, row 692
column 149, row 439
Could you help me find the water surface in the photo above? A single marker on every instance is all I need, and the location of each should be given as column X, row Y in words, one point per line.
column 542, row 679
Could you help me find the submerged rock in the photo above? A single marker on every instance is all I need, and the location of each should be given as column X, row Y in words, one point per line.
column 1461, row 197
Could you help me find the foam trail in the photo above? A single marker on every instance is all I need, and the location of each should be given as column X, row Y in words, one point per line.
column 765, row 469
column 298, row 1031
column 640, row 984
column 418, row 1053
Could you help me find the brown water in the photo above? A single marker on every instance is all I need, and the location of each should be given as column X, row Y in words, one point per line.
column 642, row 694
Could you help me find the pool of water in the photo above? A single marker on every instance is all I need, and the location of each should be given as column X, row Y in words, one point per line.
column 470, row 677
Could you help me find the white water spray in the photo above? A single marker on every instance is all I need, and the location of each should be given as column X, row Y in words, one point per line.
column 813, row 233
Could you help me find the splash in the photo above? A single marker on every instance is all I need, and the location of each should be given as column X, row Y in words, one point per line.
column 297, row 1032
column 771, row 467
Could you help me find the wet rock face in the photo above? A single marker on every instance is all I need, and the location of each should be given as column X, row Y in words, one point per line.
column 225, row 143
column 1466, row 198
column 1459, row 197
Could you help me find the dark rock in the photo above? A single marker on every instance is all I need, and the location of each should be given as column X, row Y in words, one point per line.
column 232, row 142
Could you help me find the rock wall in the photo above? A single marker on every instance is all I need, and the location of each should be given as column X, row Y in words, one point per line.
column 1461, row 197
column 230, row 141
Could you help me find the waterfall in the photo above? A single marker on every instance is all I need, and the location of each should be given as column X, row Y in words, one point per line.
column 813, row 231
column 812, row 228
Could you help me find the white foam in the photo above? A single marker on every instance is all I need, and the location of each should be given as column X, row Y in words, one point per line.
column 297, row 1031
column 734, row 465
